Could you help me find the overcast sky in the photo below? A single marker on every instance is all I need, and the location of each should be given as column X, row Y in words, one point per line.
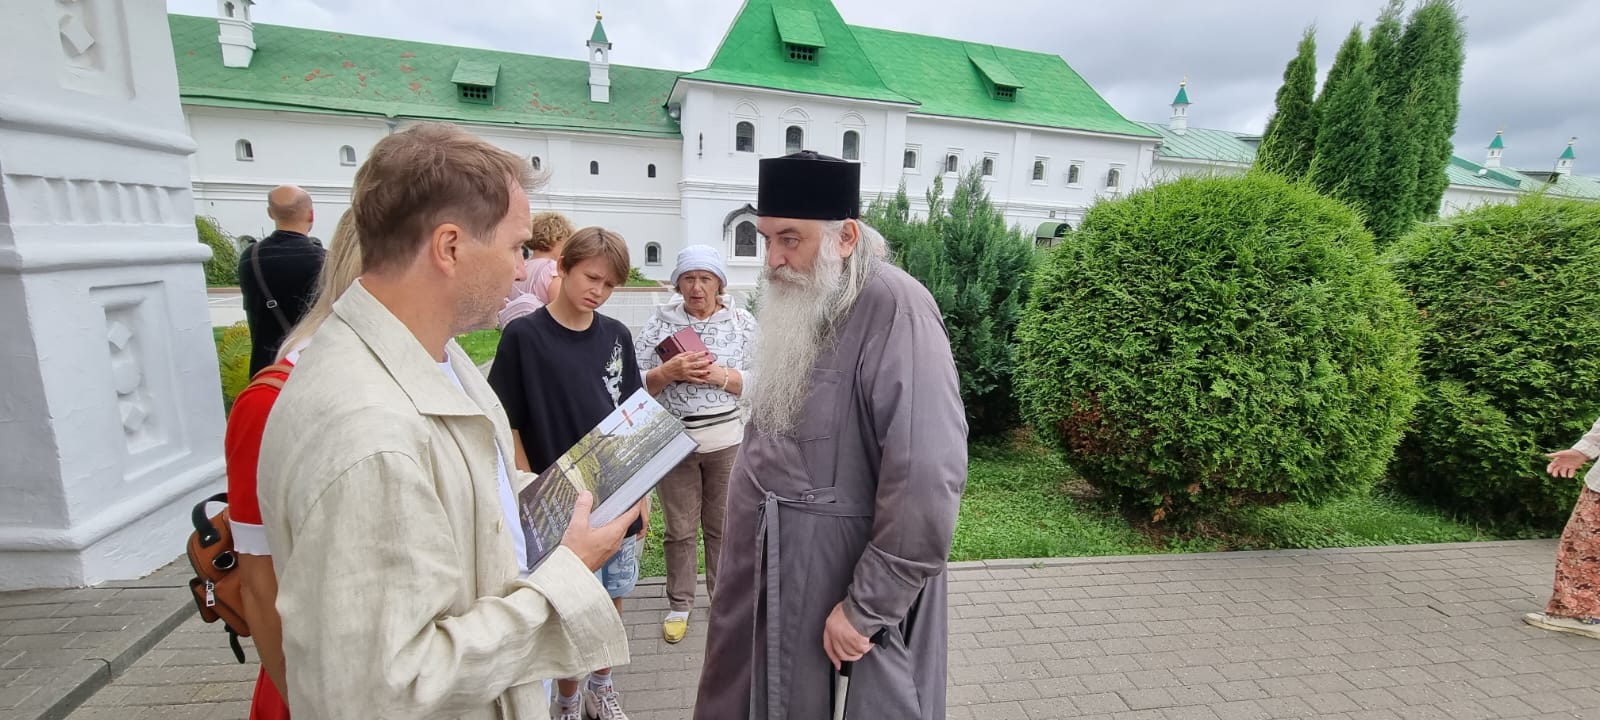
column 1530, row 64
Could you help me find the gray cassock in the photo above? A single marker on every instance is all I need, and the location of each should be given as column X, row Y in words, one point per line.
column 859, row 505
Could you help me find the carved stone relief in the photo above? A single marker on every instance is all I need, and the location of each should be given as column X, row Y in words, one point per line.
column 94, row 48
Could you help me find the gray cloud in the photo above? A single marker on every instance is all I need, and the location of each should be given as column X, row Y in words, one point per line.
column 1527, row 61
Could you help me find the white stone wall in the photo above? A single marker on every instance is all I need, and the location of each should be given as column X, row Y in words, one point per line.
column 1171, row 169
column 1460, row 198
column 306, row 149
column 111, row 410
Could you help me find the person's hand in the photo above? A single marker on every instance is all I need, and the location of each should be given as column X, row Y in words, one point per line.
column 1565, row 463
column 840, row 639
column 594, row 546
column 687, row 367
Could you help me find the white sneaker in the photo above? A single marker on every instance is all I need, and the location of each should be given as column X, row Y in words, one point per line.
column 1561, row 624
column 562, row 712
column 603, row 703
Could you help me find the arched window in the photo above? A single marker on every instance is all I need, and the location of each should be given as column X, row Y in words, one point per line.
column 243, row 151
column 1072, row 174
column 535, row 162
column 1113, row 179
column 988, row 167
column 952, row 163
column 650, row 170
column 744, row 137
column 347, row 155
column 852, row 145
column 910, row 162
column 745, row 240
column 594, row 167
column 794, row 140
column 227, row 9
column 652, row 254
column 1038, row 171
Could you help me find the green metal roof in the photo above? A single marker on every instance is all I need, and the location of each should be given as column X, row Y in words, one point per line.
column 1183, row 95
column 1498, row 143
column 1578, row 186
column 1470, row 174
column 991, row 67
column 752, row 55
column 469, row 72
column 798, row 26
column 940, row 75
column 312, row 70
column 599, row 35
column 1204, row 144
column 1568, row 154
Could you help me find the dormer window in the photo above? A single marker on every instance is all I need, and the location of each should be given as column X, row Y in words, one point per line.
column 800, row 33
column 475, row 81
column 997, row 77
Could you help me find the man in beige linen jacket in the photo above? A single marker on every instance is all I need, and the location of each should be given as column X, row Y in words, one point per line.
column 383, row 469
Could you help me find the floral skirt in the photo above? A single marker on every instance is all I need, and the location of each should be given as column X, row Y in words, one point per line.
column 1577, row 589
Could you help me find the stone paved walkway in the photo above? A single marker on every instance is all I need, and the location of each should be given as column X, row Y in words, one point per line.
column 57, row 647
column 1375, row 634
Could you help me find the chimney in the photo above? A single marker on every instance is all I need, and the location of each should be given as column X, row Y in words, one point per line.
column 599, row 63
column 237, row 35
column 1496, row 148
column 1180, row 109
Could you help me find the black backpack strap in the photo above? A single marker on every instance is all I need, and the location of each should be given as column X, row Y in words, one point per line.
column 202, row 522
column 233, row 642
column 272, row 303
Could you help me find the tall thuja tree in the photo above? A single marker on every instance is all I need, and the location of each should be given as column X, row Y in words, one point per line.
column 913, row 242
column 1432, row 51
column 1346, row 161
column 1291, row 134
column 1390, row 202
column 989, row 267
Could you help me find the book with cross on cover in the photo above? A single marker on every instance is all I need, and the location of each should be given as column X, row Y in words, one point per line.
column 619, row 462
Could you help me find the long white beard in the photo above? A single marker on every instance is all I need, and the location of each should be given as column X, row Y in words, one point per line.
column 796, row 321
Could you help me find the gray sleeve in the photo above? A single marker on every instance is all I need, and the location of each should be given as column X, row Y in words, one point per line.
column 914, row 393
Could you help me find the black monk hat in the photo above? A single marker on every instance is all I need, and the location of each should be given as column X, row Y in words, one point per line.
column 809, row 186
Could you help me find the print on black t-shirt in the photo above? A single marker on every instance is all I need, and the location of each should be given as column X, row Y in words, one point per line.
column 556, row 383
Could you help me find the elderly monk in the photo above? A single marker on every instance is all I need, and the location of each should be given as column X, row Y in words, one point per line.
column 843, row 498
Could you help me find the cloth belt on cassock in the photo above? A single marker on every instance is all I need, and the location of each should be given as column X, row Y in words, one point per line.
column 813, row 502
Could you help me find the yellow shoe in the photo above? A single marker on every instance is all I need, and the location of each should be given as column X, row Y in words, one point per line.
column 674, row 629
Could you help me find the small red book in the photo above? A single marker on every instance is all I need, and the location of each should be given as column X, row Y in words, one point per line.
column 682, row 341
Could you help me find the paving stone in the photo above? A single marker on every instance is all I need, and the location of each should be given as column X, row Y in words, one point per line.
column 1414, row 633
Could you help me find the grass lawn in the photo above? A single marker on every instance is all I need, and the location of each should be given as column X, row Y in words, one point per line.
column 480, row 345
column 1023, row 502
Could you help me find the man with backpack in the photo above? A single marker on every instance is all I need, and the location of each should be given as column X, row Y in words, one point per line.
column 278, row 274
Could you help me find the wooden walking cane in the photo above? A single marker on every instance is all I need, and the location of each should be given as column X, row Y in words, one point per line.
column 841, row 692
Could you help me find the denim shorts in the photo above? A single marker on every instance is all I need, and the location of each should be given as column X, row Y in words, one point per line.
column 621, row 572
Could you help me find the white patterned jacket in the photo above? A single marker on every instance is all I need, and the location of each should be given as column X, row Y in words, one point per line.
column 730, row 335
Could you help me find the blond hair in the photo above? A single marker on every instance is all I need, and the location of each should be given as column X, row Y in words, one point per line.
column 339, row 270
column 550, row 229
column 431, row 173
column 597, row 242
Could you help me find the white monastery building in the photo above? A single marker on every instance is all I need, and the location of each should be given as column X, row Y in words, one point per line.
column 669, row 159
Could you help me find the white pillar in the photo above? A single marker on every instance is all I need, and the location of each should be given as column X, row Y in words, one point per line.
column 110, row 407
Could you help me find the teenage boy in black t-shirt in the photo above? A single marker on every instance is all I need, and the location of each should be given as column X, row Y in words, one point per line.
column 559, row 372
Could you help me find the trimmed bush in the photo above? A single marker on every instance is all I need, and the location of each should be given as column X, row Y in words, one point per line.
column 1211, row 342
column 1509, row 299
column 222, row 270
